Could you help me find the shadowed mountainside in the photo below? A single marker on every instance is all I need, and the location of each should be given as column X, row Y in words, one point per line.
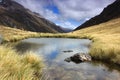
column 112, row 11
column 14, row 15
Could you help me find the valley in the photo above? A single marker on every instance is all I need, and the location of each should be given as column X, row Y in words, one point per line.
column 18, row 24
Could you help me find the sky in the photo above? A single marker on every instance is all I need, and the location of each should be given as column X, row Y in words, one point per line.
column 66, row 13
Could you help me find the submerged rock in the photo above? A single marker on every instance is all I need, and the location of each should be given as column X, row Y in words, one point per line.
column 78, row 58
column 68, row 51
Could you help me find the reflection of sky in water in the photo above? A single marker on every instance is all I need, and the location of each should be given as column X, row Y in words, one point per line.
column 52, row 49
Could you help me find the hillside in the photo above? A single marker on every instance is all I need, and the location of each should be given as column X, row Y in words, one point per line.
column 106, row 40
column 14, row 15
column 112, row 11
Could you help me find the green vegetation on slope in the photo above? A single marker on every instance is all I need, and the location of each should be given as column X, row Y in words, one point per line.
column 19, row 67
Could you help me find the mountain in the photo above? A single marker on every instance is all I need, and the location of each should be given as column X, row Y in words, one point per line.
column 67, row 30
column 112, row 11
column 14, row 15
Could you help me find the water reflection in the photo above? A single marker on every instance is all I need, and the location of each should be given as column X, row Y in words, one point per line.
column 23, row 47
column 52, row 49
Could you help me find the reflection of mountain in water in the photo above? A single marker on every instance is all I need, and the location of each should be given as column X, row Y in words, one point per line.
column 26, row 46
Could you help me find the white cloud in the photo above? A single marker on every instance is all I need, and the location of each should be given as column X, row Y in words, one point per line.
column 39, row 7
column 69, row 9
column 80, row 9
column 67, row 24
column 51, row 15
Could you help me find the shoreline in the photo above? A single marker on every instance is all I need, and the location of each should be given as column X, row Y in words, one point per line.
column 105, row 42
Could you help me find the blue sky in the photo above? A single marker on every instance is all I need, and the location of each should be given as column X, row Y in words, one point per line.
column 66, row 13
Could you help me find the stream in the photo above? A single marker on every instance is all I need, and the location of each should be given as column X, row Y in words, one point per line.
column 55, row 50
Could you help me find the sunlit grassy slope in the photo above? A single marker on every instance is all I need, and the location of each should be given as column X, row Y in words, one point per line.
column 11, row 34
column 106, row 40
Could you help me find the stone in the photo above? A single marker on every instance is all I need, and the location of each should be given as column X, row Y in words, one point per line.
column 78, row 58
column 67, row 59
column 68, row 51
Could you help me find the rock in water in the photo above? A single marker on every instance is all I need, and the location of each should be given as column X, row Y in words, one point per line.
column 78, row 58
column 68, row 51
column 68, row 59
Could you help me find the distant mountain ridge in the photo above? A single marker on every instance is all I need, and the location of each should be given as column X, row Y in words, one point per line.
column 112, row 11
column 13, row 14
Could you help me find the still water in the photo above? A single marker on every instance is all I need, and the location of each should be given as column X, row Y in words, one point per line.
column 55, row 50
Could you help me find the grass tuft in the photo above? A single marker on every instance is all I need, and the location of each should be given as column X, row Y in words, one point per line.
column 19, row 67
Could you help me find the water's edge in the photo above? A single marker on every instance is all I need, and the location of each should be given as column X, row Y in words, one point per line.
column 52, row 49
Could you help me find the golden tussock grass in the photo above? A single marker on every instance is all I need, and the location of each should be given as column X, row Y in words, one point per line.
column 106, row 40
column 19, row 67
column 12, row 34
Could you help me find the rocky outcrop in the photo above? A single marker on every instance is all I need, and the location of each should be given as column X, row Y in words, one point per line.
column 14, row 15
column 78, row 58
column 112, row 11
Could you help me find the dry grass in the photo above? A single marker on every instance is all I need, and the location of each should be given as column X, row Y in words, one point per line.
column 11, row 34
column 19, row 67
column 106, row 40
column 105, row 37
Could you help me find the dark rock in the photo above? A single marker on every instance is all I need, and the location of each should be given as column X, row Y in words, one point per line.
column 78, row 58
column 68, row 51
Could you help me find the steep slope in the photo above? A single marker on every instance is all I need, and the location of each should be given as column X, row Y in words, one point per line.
column 14, row 15
column 110, row 12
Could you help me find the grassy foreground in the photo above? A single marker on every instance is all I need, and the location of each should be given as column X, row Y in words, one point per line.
column 19, row 67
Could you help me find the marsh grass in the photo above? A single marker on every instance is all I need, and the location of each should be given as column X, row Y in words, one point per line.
column 105, row 37
column 19, row 67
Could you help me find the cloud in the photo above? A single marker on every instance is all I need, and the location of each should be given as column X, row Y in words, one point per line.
column 80, row 9
column 66, row 24
column 39, row 7
column 77, row 10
